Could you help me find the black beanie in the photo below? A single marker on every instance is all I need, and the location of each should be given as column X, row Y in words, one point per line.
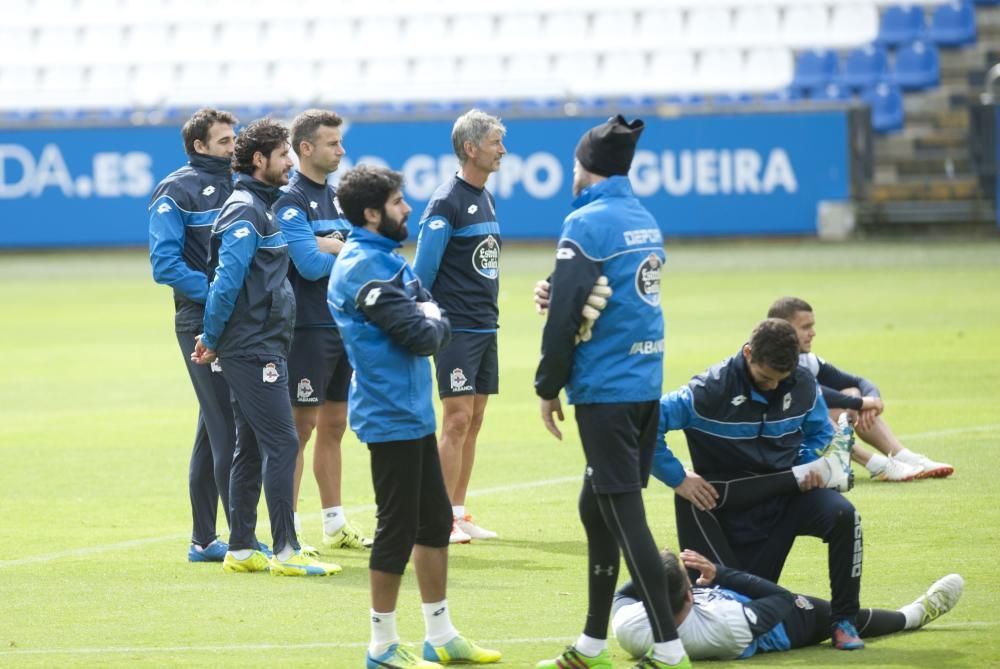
column 607, row 149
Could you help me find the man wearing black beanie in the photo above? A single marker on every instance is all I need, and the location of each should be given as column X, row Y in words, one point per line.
column 614, row 379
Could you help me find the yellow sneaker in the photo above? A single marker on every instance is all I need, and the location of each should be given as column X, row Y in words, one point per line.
column 302, row 565
column 347, row 536
column 461, row 650
column 256, row 562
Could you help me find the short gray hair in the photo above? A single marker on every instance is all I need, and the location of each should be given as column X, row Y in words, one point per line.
column 473, row 126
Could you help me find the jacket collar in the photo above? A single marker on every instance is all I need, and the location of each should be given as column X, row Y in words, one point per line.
column 266, row 192
column 743, row 372
column 299, row 178
column 616, row 186
column 210, row 164
column 369, row 238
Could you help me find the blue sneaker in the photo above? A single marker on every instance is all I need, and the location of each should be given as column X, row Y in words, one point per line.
column 262, row 547
column 844, row 635
column 214, row 552
column 398, row 657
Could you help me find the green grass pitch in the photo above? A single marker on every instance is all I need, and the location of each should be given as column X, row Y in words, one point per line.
column 97, row 416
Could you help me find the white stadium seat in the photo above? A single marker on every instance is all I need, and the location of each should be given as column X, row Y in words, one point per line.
column 152, row 52
column 805, row 26
column 710, row 26
column 757, row 25
column 673, row 71
column 661, row 28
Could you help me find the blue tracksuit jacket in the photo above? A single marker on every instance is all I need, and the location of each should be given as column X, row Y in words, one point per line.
column 373, row 295
column 307, row 210
column 182, row 209
column 732, row 427
column 609, row 233
column 250, row 308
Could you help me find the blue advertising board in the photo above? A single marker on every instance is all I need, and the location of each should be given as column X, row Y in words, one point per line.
column 705, row 175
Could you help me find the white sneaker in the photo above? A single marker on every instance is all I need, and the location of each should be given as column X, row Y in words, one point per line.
column 309, row 551
column 940, row 598
column 472, row 530
column 896, row 470
column 928, row 469
column 457, row 535
column 838, row 456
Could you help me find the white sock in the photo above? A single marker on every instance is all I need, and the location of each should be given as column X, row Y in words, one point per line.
column 589, row 646
column 333, row 519
column 437, row 622
column 907, row 456
column 877, row 463
column 670, row 652
column 297, row 522
column 242, row 553
column 913, row 612
column 383, row 632
column 821, row 465
column 286, row 552
column 458, row 511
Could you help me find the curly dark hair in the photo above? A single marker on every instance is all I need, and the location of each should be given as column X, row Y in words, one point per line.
column 775, row 344
column 305, row 125
column 262, row 135
column 366, row 187
column 787, row 307
column 197, row 127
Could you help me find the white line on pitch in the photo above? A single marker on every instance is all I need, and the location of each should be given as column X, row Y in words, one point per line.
column 135, row 543
column 92, row 550
column 954, row 430
column 241, row 647
column 139, row 650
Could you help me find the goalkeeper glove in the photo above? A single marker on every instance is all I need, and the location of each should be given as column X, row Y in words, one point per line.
column 592, row 308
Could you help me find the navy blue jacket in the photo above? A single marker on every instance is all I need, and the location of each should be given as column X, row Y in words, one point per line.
column 458, row 255
column 373, row 296
column 609, row 233
column 732, row 428
column 307, row 210
column 181, row 213
column 251, row 307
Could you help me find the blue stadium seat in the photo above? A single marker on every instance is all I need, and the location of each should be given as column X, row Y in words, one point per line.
column 540, row 104
column 953, row 24
column 901, row 24
column 864, row 67
column 784, row 95
column 832, row 92
column 688, row 100
column 917, row 66
column 886, row 102
column 732, row 99
column 815, row 68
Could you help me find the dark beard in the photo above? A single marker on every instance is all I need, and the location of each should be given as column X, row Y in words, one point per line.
column 393, row 229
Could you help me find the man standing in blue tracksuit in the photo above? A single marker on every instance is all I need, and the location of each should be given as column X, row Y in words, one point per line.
column 757, row 413
column 249, row 317
column 390, row 325
column 614, row 379
column 319, row 373
column 181, row 213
